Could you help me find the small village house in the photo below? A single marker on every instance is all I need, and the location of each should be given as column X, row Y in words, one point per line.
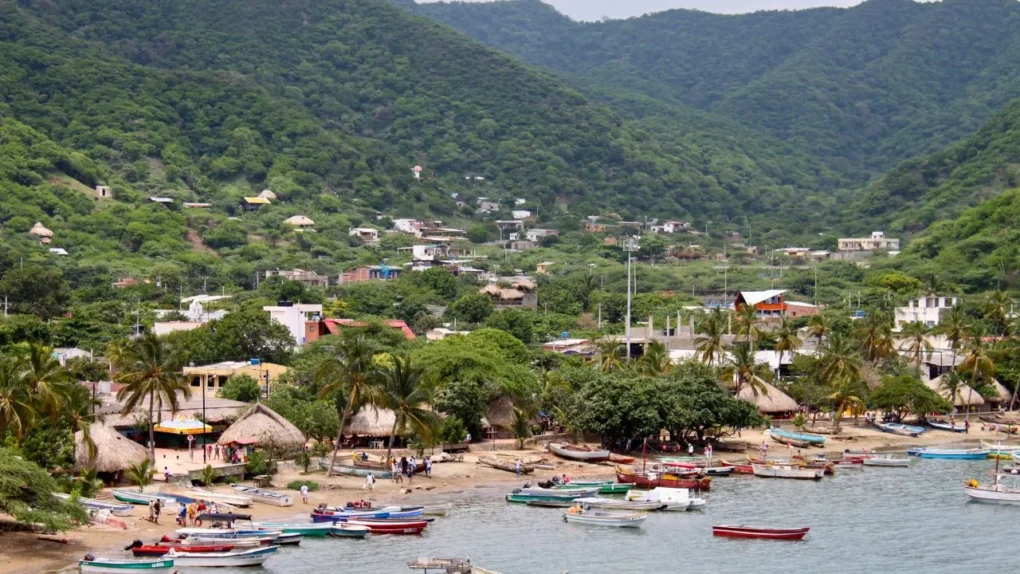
column 114, row 452
column 769, row 304
column 317, row 328
column 253, row 203
column 409, row 226
column 370, row 273
column 309, row 278
column 544, row 266
column 293, row 317
column 262, row 426
column 877, row 241
column 671, row 227
column 104, row 192
column 928, row 310
column 366, row 234
column 216, row 375
column 299, row 221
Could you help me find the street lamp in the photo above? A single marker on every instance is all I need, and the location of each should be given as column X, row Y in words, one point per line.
column 629, row 245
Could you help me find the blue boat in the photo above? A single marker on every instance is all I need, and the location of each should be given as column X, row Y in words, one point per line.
column 950, row 453
column 806, row 437
column 951, row 427
column 900, row 429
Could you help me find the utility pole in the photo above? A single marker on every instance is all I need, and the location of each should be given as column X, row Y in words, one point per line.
column 629, row 247
column 600, row 316
column 5, row 306
column 816, row 284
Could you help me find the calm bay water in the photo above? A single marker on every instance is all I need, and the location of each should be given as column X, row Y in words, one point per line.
column 871, row 520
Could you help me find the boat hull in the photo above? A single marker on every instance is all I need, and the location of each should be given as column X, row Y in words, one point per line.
column 607, row 519
column 650, row 481
column 307, row 530
column 805, row 437
column 348, row 531
column 760, row 533
column 141, row 497
column 225, row 559
column 164, row 549
column 948, row 454
column 947, row 427
column 791, row 472
column 615, row 504
column 562, row 451
column 119, row 566
column 265, row 496
column 887, row 462
column 980, row 494
column 407, row 527
column 900, row 429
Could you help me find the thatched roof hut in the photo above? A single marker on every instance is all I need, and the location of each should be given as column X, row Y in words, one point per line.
column 114, row 451
column 40, row 230
column 500, row 414
column 490, row 289
column 299, row 221
column 1003, row 395
column 771, row 400
column 371, row 423
column 965, row 397
column 260, row 425
column 267, row 194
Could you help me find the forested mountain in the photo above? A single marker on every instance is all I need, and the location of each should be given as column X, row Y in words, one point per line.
column 863, row 88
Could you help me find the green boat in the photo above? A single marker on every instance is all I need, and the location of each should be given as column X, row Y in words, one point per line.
column 118, row 565
column 310, row 530
column 604, row 487
column 524, row 498
column 135, row 497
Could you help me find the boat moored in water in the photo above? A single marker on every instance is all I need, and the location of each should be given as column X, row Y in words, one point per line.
column 93, row 565
column 787, row 471
column 950, row 453
column 760, row 533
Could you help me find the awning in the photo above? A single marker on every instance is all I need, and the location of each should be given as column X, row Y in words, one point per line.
column 183, row 426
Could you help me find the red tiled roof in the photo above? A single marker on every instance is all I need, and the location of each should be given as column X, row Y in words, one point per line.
column 333, row 325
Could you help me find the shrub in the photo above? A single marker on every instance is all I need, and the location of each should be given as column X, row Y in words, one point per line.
column 297, row 484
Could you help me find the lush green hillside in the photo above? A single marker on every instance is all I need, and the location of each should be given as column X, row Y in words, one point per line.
column 863, row 88
column 918, row 192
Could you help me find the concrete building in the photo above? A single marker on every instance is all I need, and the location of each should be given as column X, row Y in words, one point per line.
column 216, row 375
column 769, row 304
column 928, row 310
column 440, row 333
column 411, row 226
column 366, row 234
column 796, row 309
column 671, row 227
column 318, row 328
column 370, row 273
column 877, row 241
column 309, row 278
column 293, row 317
column 520, row 214
column 537, row 234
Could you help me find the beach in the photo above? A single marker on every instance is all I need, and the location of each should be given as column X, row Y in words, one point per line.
column 24, row 552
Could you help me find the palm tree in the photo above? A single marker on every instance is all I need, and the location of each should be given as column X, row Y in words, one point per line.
column 978, row 363
column 875, row 335
column 709, row 342
column 743, row 369
column 787, row 340
column 747, row 324
column 79, row 408
column 956, row 329
column 951, row 383
column 17, row 413
column 916, row 342
column 403, row 391
column 839, row 361
column 608, row 351
column 140, row 473
column 521, row 427
column 151, row 368
column 655, row 361
column 842, row 398
column 819, row 327
column 47, row 380
column 997, row 310
column 351, row 371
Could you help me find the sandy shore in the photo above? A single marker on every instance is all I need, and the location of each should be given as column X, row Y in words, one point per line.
column 25, row 553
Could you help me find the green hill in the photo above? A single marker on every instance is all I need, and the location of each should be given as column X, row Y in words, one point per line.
column 863, row 88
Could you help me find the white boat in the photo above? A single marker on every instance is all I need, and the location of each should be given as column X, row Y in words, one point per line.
column 996, row 492
column 580, row 453
column 264, row 496
column 253, row 557
column 230, row 499
column 436, row 509
column 565, row 493
column 785, row 471
column 93, row 565
column 617, row 504
column 675, row 499
column 94, row 504
column 887, row 460
column 602, row 518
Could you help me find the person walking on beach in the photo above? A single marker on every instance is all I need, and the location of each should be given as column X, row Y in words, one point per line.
column 156, row 508
column 517, row 467
column 152, row 511
column 764, row 449
column 304, row 493
column 370, row 482
column 690, row 449
column 428, row 466
column 966, row 427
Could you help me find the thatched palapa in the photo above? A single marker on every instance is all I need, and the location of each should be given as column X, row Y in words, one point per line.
column 261, row 425
column 965, row 396
column 114, row 451
column 500, row 414
column 771, row 400
column 370, row 422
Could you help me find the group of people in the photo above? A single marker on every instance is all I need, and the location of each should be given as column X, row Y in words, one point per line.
column 188, row 514
column 406, row 466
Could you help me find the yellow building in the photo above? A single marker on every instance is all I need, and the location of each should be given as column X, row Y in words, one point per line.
column 216, row 375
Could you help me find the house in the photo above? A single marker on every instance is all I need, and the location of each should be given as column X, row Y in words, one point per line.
column 299, row 221
column 877, row 241
column 671, row 227
column 366, row 234
column 537, row 234
column 309, row 278
column 294, row 317
column 411, row 226
column 440, row 333
column 162, row 200
column 58, row 251
column 370, row 273
column 485, row 205
column 520, row 201
column 509, row 298
column 507, row 224
column 160, row 328
column 65, row 354
column 796, row 309
column 610, row 242
column 522, row 245
column 928, row 310
column 520, row 214
column 317, row 328
column 593, row 227
column 570, row 347
column 794, row 252
column 45, row 235
column 544, row 266
column 431, row 252
column 193, row 205
column 104, row 192
column 770, row 303
column 441, row 234
column 253, row 203
column 216, row 375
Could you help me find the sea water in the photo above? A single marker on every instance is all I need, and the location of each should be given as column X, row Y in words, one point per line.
column 886, row 520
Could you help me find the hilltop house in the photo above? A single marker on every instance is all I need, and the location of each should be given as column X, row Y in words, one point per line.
column 768, row 304
column 877, row 241
column 928, row 310
column 366, row 234
column 309, row 278
column 671, row 227
column 294, row 317
column 370, row 273
column 411, row 226
column 253, row 203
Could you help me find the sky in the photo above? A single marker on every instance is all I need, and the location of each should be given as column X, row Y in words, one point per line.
column 596, row 9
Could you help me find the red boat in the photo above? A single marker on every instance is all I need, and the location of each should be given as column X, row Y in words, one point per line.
column 625, row 475
column 765, row 533
column 622, row 459
column 161, row 549
column 391, row 527
column 739, row 468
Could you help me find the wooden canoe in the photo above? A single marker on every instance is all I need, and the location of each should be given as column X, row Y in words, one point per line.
column 626, row 475
column 621, row 459
column 509, row 466
column 738, row 468
column 763, row 533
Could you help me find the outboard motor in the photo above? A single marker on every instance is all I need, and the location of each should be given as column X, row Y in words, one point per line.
column 136, row 544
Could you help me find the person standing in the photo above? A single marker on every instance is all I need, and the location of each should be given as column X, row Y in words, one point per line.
column 304, row 493
column 156, row 508
column 152, row 511
column 708, row 453
column 690, row 449
column 428, row 466
column 191, row 447
column 517, row 467
column 370, row 482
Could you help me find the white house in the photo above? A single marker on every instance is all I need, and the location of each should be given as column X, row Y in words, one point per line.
column 877, row 241
column 485, row 205
column 671, row 227
column 536, row 234
column 520, row 214
column 294, row 317
column 412, row 226
column 429, row 252
column 366, row 234
column 928, row 310
column 520, row 201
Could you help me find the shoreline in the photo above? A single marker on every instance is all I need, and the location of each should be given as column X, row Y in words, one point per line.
column 25, row 553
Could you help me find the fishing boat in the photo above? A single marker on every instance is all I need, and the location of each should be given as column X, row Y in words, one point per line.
column 508, row 466
column 344, row 530
column 93, row 565
column 706, row 470
column 135, row 497
column 617, row 504
column 900, row 429
column 222, row 498
column 787, row 471
column 436, row 509
column 887, row 460
column 649, row 480
column 93, row 504
column 621, row 459
column 265, row 496
column 1000, row 448
column 762, row 533
column 796, row 443
column 164, row 548
column 800, row 436
column 396, row 527
column 798, row 461
column 579, row 452
column 947, row 426
column 448, row 566
column 739, row 468
column 239, row 558
column 606, row 487
column 550, row 503
column 349, row 470
column 310, row 530
column 950, row 453
column 997, row 492
column 520, row 498
column 570, row 491
column 676, row 499
column 602, row 518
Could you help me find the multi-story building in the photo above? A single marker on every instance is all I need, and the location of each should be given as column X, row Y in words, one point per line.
column 877, row 241
column 928, row 310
